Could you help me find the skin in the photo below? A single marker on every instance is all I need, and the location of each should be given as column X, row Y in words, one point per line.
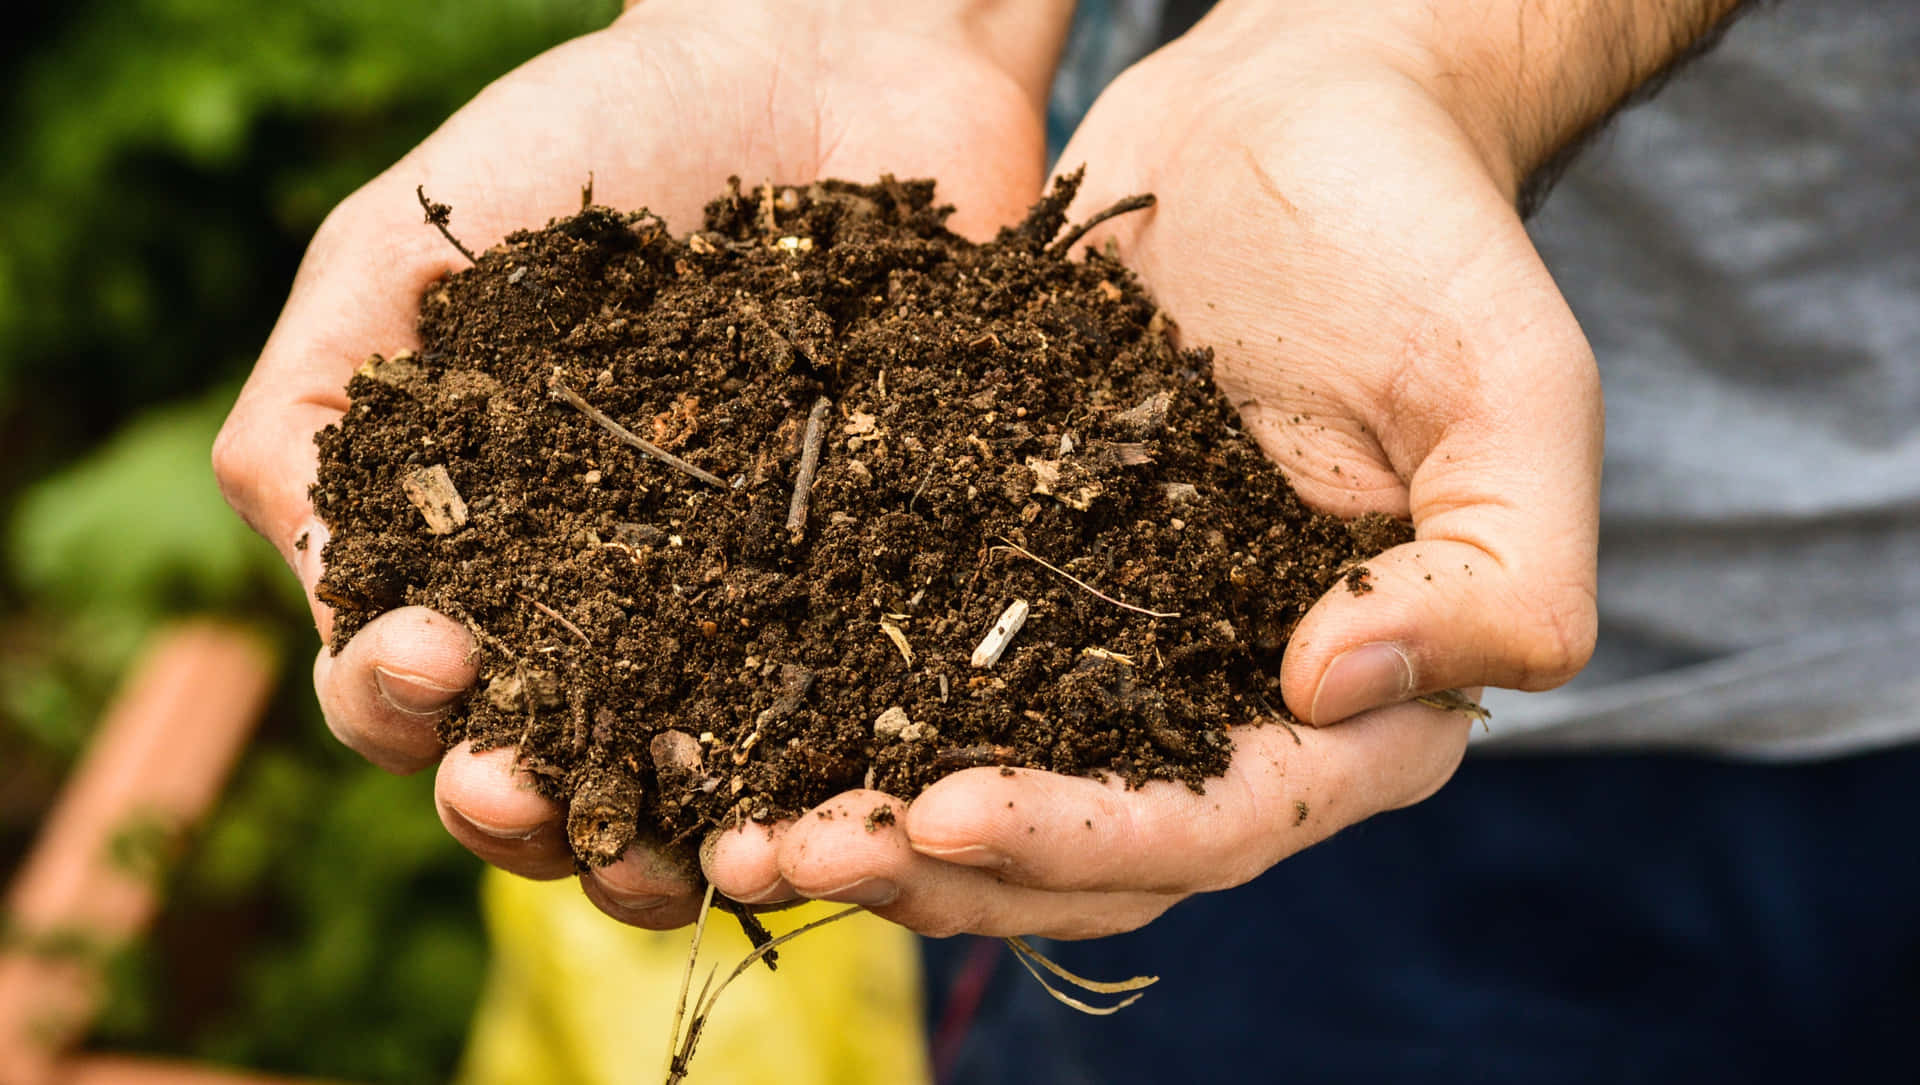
column 1395, row 344
column 1336, row 218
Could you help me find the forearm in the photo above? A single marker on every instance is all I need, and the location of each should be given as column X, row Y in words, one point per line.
column 1525, row 78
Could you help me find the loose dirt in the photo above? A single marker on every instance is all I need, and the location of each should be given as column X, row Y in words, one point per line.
column 873, row 446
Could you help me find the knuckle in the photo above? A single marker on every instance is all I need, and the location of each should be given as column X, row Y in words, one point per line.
column 1557, row 640
column 932, row 923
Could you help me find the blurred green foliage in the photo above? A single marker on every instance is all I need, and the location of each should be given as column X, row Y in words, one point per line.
column 166, row 162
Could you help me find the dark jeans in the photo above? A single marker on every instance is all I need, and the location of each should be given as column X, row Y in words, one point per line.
column 1597, row 919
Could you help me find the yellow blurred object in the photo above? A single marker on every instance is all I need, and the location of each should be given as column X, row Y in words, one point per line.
column 575, row 998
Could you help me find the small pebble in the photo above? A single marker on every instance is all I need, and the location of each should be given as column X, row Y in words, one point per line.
column 893, row 723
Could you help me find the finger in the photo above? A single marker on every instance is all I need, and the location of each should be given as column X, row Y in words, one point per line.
column 856, row 858
column 743, row 863
column 385, row 693
column 1285, row 790
column 489, row 805
column 662, row 913
column 646, row 888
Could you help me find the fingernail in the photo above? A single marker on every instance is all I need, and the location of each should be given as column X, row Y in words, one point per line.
column 976, row 855
column 775, row 890
column 410, row 693
column 1361, row 678
column 868, row 892
column 498, row 832
column 636, row 902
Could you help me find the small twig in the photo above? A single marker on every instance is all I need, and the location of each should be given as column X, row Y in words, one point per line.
column 555, row 615
column 438, row 216
column 1131, row 203
column 966, row 757
column 599, row 417
column 1096, row 592
column 809, row 464
column 586, row 192
column 751, row 926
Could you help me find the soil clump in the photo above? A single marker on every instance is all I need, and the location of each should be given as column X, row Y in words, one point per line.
column 819, row 496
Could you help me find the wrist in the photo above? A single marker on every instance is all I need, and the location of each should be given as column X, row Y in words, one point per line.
column 1520, row 79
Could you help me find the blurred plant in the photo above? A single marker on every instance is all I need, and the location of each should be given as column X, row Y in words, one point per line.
column 167, row 160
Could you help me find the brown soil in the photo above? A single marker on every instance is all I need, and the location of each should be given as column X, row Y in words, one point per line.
column 669, row 655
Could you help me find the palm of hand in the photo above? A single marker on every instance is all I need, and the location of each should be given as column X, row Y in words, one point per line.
column 658, row 109
column 1393, row 342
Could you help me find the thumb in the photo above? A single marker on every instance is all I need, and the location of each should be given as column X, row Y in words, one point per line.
column 355, row 295
column 1498, row 586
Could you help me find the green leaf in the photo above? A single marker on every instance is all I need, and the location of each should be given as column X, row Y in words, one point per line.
column 140, row 525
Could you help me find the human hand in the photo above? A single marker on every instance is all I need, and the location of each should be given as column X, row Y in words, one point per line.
column 659, row 109
column 1347, row 243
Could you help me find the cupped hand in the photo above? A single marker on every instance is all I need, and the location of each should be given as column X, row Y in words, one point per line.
column 1329, row 226
column 658, row 109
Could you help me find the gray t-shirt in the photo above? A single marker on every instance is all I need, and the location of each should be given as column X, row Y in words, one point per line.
column 1744, row 254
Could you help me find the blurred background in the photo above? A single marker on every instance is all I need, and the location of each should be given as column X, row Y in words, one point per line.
column 166, row 161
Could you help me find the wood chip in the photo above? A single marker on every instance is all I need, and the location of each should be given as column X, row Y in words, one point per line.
column 1149, row 417
column 394, row 372
column 675, row 751
column 994, row 644
column 431, row 490
column 890, row 625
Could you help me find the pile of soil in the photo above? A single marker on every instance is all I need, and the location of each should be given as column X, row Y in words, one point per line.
column 676, row 641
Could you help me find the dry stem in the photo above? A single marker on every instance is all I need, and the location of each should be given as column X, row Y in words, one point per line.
column 686, row 981
column 627, row 436
column 809, row 465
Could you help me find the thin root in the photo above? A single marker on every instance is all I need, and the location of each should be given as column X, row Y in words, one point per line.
column 1096, row 592
column 1029, row 957
column 555, row 615
column 681, row 1047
